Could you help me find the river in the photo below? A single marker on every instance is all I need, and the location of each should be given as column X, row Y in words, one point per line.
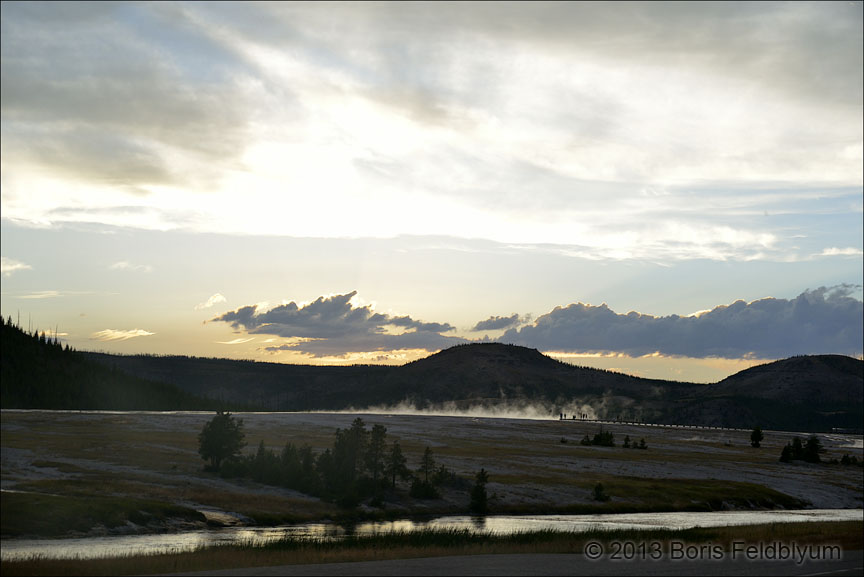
column 121, row 545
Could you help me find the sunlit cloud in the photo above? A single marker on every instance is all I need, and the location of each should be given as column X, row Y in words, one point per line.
column 238, row 341
column 128, row 266
column 848, row 251
column 531, row 108
column 42, row 295
column 8, row 266
column 119, row 335
column 211, row 302
column 333, row 325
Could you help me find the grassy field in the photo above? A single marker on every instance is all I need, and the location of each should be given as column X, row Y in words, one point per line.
column 103, row 469
column 847, row 535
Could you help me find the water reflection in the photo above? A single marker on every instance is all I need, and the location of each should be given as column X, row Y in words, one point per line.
column 115, row 546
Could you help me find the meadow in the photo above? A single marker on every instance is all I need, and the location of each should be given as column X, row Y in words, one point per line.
column 103, row 473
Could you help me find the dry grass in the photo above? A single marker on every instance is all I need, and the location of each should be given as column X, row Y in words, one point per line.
column 155, row 457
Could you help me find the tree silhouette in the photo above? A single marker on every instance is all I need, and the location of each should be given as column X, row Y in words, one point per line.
column 375, row 452
column 812, row 449
column 221, row 438
column 479, row 500
column 756, row 437
column 428, row 464
column 396, row 465
column 423, row 489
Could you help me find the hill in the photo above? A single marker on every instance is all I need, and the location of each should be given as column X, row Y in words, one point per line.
column 802, row 393
column 36, row 372
column 809, row 393
column 491, row 376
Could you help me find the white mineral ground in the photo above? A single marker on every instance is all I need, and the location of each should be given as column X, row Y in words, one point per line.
column 113, row 443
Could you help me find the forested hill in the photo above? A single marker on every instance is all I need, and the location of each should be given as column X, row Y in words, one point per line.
column 37, row 372
column 491, row 375
column 810, row 393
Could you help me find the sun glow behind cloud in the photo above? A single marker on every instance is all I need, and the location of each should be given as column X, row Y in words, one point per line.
column 519, row 139
column 516, row 158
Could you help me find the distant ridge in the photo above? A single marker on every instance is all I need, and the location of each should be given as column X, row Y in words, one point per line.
column 37, row 372
column 809, row 393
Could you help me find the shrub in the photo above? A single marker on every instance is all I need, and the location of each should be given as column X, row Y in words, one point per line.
column 600, row 493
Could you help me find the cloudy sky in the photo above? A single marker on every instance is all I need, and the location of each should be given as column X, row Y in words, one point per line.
column 668, row 189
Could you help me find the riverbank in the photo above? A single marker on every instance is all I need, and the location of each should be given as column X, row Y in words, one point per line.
column 534, row 467
column 845, row 535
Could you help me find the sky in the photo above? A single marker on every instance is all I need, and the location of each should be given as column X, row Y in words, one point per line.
column 672, row 190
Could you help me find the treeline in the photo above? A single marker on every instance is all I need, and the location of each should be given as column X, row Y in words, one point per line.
column 38, row 372
column 810, row 451
column 607, row 439
column 361, row 465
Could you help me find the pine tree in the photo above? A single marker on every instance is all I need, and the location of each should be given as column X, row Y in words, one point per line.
column 396, row 465
column 479, row 500
column 221, row 438
column 756, row 437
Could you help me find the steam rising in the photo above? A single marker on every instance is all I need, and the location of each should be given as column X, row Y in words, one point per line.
column 504, row 410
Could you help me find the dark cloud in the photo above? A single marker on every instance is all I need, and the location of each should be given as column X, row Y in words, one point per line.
column 333, row 326
column 497, row 323
column 825, row 320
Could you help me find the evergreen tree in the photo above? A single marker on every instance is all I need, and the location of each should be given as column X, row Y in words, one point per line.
column 375, row 453
column 479, row 499
column 422, row 488
column 756, row 437
column 812, row 449
column 221, row 438
column 349, row 451
column 428, row 464
column 797, row 448
column 396, row 465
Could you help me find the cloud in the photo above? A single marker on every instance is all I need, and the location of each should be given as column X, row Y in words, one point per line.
column 10, row 265
column 497, row 323
column 546, row 114
column 119, row 335
column 824, row 320
column 238, row 341
column 126, row 265
column 334, row 326
column 848, row 251
column 213, row 300
column 42, row 295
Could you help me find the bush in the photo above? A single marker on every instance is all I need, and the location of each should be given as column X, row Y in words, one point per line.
column 600, row 493
column 421, row 489
column 603, row 439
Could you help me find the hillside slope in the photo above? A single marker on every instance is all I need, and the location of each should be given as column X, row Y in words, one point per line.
column 36, row 372
column 808, row 393
column 802, row 393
